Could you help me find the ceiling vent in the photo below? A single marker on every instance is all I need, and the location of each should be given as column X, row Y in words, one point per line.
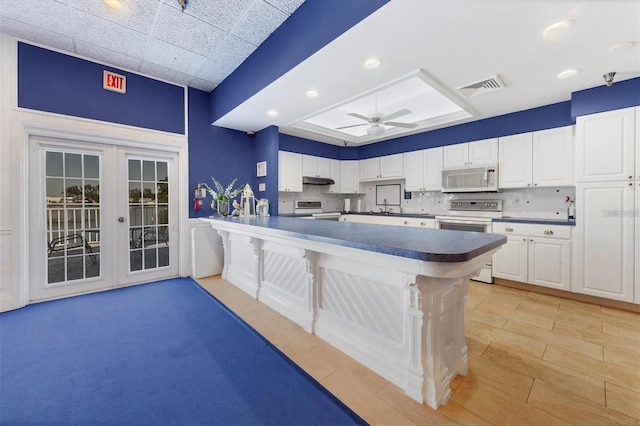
column 481, row 87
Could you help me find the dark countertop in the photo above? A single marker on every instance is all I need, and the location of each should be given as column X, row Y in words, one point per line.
column 433, row 245
column 564, row 222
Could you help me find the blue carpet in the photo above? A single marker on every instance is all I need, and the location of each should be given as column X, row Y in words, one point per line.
column 159, row 353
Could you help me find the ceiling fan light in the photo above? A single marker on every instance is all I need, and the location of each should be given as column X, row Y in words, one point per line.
column 375, row 130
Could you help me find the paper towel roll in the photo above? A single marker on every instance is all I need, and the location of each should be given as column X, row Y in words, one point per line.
column 359, row 206
column 347, row 205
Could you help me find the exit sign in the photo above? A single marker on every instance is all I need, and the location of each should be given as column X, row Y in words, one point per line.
column 113, row 81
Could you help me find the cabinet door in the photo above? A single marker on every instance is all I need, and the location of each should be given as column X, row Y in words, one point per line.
column 605, row 146
column 514, row 165
column 414, row 170
column 550, row 263
column 553, row 157
column 369, row 169
column 323, row 167
column 392, row 166
column 349, row 181
column 510, row 261
column 282, row 174
column 604, row 240
column 456, row 155
column 308, row 165
column 484, row 151
column 289, row 171
column 432, row 169
column 336, row 175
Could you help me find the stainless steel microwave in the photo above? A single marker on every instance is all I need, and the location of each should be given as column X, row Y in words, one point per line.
column 473, row 178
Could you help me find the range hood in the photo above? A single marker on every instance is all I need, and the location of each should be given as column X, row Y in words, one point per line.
column 312, row 180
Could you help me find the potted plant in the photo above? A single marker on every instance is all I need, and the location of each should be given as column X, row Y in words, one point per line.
column 222, row 195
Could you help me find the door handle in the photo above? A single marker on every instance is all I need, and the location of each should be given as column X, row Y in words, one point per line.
column 122, row 219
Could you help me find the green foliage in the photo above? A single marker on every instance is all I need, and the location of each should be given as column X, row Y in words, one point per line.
column 221, row 193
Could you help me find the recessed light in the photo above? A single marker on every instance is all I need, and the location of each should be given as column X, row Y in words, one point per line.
column 114, row 4
column 312, row 93
column 569, row 73
column 621, row 47
column 557, row 28
column 272, row 113
column 372, row 63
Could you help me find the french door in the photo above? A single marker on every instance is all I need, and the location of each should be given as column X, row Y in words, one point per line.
column 102, row 216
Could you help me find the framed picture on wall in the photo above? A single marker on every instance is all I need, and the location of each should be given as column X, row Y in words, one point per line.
column 261, row 169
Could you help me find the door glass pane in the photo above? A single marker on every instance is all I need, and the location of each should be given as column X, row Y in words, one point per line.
column 148, row 214
column 72, row 216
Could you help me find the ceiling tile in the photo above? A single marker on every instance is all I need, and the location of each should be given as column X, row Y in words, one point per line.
column 174, row 57
column 107, row 56
column 137, row 14
column 35, row 34
column 107, row 34
column 215, row 71
column 55, row 17
column 287, row 6
column 186, row 31
column 158, row 71
column 261, row 20
column 233, row 51
column 221, row 13
column 200, row 84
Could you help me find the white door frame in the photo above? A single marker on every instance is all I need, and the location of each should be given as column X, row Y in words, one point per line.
column 28, row 124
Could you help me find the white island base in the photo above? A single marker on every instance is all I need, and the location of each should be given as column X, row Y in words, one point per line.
column 403, row 318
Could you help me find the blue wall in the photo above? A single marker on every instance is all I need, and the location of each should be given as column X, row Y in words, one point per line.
column 602, row 98
column 321, row 21
column 216, row 152
column 265, row 145
column 58, row 83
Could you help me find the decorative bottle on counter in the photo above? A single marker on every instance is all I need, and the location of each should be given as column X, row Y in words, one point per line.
column 571, row 210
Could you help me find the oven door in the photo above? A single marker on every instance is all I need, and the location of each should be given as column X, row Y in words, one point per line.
column 469, row 224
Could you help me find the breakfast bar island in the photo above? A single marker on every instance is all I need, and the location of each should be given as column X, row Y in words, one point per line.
column 390, row 297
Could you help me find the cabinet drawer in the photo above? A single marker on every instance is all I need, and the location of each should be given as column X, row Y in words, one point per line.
column 532, row 230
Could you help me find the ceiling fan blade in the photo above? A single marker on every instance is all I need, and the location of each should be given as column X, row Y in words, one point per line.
column 396, row 124
column 361, row 117
column 395, row 114
column 353, row 125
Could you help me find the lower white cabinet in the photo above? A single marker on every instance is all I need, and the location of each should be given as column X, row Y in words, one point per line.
column 534, row 254
column 606, row 233
column 417, row 222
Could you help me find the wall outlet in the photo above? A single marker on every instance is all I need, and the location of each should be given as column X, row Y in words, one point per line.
column 431, row 202
column 514, row 202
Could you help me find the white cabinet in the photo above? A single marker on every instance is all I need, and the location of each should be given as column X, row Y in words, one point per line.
column 534, row 254
column 605, row 237
column 538, row 159
column 289, row 171
column 607, row 259
column 605, row 146
column 416, row 222
column 316, row 166
column 336, row 174
column 349, row 179
column 477, row 152
column 387, row 167
column 423, row 170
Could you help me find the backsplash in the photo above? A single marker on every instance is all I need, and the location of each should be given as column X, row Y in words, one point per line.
column 541, row 203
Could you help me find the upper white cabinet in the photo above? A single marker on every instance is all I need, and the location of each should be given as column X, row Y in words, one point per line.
column 336, row 175
column 387, row 167
column 477, row 152
column 316, row 166
column 289, row 171
column 423, row 170
column 605, row 146
column 542, row 158
column 349, row 177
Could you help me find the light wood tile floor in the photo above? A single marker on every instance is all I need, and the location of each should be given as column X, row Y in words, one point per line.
column 533, row 359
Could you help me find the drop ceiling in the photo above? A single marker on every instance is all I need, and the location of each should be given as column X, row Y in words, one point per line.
column 428, row 48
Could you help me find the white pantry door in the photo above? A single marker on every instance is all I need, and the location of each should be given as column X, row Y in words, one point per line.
column 100, row 217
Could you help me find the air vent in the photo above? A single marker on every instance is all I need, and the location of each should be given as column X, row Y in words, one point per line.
column 481, row 87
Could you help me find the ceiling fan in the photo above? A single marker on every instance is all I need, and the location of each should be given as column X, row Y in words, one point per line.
column 378, row 121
